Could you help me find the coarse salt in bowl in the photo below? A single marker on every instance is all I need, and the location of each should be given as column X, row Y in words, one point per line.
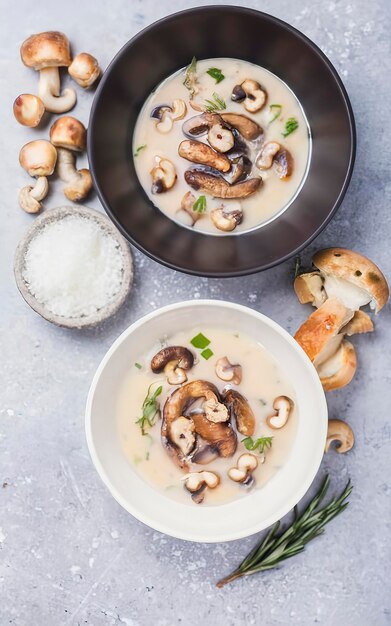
column 73, row 267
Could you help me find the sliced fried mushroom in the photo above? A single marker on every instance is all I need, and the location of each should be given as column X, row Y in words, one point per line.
column 282, row 409
column 228, row 372
column 218, row 187
column 199, row 152
column 240, row 410
column 309, row 289
column 38, row 158
column 283, row 164
column 28, row 109
column 182, row 434
column 174, row 361
column 158, row 111
column 265, row 158
column 360, row 323
column 338, row 370
column 69, row 136
column 255, row 95
column 244, row 125
column 340, row 432
column 245, row 465
column 200, row 124
column 167, row 115
column 220, row 137
column 198, row 482
column 227, row 218
column 84, row 69
column 163, row 175
column 186, row 213
column 47, row 52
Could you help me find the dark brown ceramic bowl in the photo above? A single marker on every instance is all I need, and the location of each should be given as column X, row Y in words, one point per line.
column 160, row 50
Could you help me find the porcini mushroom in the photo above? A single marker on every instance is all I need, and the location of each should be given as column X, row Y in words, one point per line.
column 268, row 152
column 338, row 370
column 38, row 158
column 360, row 323
column 174, row 361
column 199, row 152
column 340, row 432
column 309, row 289
column 282, row 406
column 228, row 217
column 84, row 69
column 69, row 136
column 47, row 52
column 239, row 410
column 198, row 482
column 245, row 465
column 28, row 109
column 251, row 94
column 220, row 188
column 163, row 175
column 228, row 372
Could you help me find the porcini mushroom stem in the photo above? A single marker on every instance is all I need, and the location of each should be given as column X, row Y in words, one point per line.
column 79, row 181
column 49, row 91
column 30, row 197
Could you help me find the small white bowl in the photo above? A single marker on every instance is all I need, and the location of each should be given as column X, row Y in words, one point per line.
column 225, row 522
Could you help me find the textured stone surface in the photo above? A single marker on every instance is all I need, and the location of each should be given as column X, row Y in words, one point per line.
column 69, row 554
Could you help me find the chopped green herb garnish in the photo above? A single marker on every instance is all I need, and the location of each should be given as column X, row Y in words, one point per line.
column 207, row 353
column 275, row 110
column 290, row 125
column 215, row 73
column 200, row 205
column 191, row 76
column 200, row 341
column 150, row 408
column 260, row 444
column 138, row 366
column 217, row 104
column 138, row 150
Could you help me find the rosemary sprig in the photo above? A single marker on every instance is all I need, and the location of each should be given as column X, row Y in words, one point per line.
column 277, row 547
column 217, row 104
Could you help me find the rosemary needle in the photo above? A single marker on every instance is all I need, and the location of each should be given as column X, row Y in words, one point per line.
column 277, row 547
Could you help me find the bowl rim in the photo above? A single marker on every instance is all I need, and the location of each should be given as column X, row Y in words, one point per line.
column 56, row 214
column 155, row 523
column 350, row 115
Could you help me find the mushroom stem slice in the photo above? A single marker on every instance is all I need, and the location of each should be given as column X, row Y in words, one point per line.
column 340, row 432
column 255, row 95
column 240, row 410
column 282, row 409
column 49, row 91
column 265, row 158
column 197, row 483
column 175, row 375
column 245, row 465
column 163, row 175
column 227, row 218
column 220, row 137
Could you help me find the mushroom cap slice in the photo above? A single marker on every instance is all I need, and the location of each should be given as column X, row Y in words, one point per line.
column 199, row 124
column 38, row 157
column 319, row 334
column 28, row 109
column 356, row 269
column 245, row 465
column 220, row 434
column 267, row 154
column 241, row 411
column 244, row 125
column 339, row 369
column 218, row 187
column 183, row 357
column 182, row 434
column 227, row 218
column 255, row 95
column 283, row 163
column 282, row 406
column 48, row 49
column 342, row 433
column 360, row 323
column 227, row 371
column 201, row 153
column 84, row 69
column 69, row 133
column 309, row 289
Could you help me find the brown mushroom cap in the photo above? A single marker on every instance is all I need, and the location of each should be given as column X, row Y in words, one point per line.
column 240, row 410
column 28, row 109
column 181, row 355
column 218, row 187
column 354, row 268
column 49, row 49
column 84, row 69
column 38, row 157
column 68, row 132
column 201, row 153
column 244, row 125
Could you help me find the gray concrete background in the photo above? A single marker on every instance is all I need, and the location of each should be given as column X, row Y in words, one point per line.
column 69, row 554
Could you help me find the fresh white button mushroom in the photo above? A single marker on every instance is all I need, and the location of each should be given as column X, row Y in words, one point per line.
column 69, row 136
column 47, row 52
column 84, row 69
column 282, row 409
column 265, row 158
column 340, row 432
column 163, row 175
column 245, row 465
column 251, row 94
column 198, row 482
column 228, row 372
column 28, row 109
column 227, row 217
column 38, row 158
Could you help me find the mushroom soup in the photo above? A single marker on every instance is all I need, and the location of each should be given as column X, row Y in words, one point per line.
column 222, row 146
column 208, row 417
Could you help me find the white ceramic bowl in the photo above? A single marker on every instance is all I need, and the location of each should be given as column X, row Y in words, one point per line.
column 226, row 522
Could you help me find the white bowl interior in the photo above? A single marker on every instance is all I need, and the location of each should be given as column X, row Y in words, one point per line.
column 206, row 523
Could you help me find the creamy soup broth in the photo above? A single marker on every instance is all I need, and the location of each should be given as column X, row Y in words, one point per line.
column 275, row 194
column 262, row 382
